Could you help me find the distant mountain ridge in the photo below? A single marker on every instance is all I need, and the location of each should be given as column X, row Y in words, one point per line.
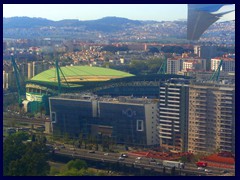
column 113, row 23
column 111, row 29
column 25, row 22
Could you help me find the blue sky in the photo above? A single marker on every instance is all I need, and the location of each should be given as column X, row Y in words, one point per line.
column 158, row 12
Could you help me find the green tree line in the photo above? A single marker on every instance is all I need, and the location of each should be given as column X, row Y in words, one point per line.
column 25, row 158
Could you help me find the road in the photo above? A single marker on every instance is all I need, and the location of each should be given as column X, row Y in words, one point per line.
column 132, row 161
column 113, row 157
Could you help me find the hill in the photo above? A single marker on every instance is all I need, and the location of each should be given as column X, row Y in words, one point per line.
column 107, row 24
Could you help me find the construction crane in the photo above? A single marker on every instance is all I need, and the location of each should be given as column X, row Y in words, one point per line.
column 216, row 73
column 21, row 92
column 58, row 70
column 162, row 69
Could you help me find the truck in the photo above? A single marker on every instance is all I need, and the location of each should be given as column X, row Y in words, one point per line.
column 201, row 164
column 173, row 164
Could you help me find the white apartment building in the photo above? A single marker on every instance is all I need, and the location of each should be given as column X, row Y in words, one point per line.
column 228, row 64
column 173, row 65
column 173, row 115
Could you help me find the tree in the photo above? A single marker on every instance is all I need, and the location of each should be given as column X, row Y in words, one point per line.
column 153, row 50
column 23, row 158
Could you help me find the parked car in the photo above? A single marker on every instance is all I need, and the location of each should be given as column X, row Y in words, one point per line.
column 124, row 155
column 208, row 170
column 56, row 148
column 106, row 154
column 152, row 160
column 201, row 168
column 121, row 158
column 139, row 158
column 62, row 146
column 225, row 171
column 91, row 151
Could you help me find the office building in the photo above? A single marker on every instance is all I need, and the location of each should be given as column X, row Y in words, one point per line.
column 125, row 120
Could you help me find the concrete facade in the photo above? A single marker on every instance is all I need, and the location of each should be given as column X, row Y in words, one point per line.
column 173, row 115
column 211, row 118
column 125, row 120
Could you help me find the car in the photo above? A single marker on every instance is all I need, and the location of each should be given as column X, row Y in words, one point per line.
column 225, row 171
column 152, row 160
column 137, row 161
column 201, row 168
column 124, row 155
column 139, row 158
column 91, row 151
column 56, row 148
column 106, row 154
column 208, row 170
column 121, row 158
column 62, row 146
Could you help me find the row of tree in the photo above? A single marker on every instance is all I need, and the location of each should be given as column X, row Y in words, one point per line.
column 142, row 67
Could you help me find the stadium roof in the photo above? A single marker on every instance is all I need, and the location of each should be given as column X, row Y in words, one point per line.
column 80, row 74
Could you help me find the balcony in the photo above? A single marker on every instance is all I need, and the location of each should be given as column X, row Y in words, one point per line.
column 177, row 93
column 167, row 121
column 173, row 101
column 165, row 137
column 169, row 117
column 173, row 105
column 168, row 113
column 164, row 128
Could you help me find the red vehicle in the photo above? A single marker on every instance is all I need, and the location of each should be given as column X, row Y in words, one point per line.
column 201, row 164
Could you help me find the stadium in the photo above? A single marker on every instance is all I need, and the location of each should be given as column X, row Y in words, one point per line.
column 97, row 80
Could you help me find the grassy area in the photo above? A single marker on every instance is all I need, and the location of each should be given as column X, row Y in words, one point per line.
column 57, row 167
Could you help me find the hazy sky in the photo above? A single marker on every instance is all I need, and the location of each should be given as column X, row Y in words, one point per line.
column 156, row 12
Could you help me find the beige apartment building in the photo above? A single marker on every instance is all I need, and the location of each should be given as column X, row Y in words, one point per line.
column 211, row 117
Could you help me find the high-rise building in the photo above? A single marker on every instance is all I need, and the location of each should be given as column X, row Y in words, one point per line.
column 205, row 52
column 30, row 70
column 23, row 69
column 196, row 64
column 5, row 80
column 228, row 64
column 35, row 68
column 173, row 114
column 173, row 65
column 211, row 118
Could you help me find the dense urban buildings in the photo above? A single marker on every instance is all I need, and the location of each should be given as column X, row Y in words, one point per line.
column 139, row 96
column 172, row 93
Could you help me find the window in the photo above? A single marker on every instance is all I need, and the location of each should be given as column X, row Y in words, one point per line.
column 139, row 125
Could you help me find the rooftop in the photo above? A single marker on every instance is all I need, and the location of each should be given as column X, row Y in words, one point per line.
column 120, row 99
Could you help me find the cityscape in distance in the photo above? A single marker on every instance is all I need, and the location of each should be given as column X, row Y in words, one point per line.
column 119, row 97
